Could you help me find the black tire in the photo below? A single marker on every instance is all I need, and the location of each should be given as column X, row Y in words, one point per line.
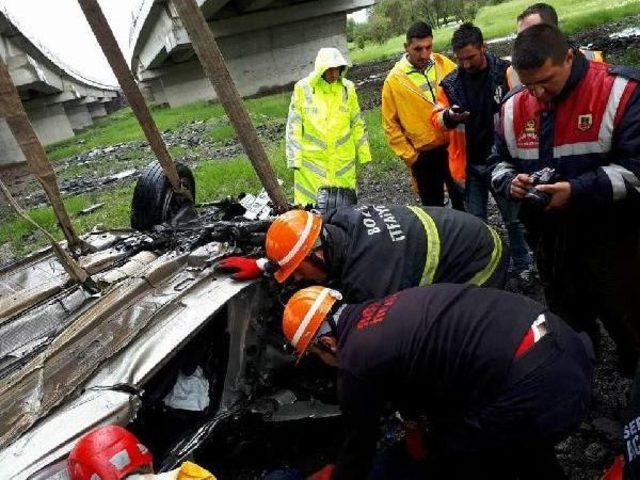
column 154, row 201
column 330, row 198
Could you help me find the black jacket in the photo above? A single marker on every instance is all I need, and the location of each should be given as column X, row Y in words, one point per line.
column 441, row 351
column 372, row 251
column 483, row 103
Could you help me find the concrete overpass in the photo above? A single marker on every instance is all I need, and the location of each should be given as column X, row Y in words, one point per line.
column 267, row 44
column 58, row 100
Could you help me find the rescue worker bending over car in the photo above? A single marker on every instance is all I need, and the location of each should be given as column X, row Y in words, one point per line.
column 568, row 148
column 326, row 138
column 112, row 452
column 371, row 251
column 499, row 378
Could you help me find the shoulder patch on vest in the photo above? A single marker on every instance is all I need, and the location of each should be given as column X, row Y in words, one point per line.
column 625, row 71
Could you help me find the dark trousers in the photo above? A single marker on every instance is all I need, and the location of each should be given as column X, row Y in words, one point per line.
column 590, row 268
column 431, row 173
column 544, row 399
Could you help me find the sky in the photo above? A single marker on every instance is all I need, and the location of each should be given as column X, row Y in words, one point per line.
column 60, row 26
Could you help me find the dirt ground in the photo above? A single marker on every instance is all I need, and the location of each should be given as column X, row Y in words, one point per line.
column 584, row 455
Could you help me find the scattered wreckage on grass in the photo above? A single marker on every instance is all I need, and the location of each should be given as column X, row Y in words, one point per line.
column 165, row 340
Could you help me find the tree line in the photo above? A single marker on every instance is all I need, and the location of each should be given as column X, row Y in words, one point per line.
column 389, row 18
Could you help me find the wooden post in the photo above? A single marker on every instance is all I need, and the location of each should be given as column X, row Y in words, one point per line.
column 215, row 68
column 12, row 110
column 112, row 52
column 75, row 271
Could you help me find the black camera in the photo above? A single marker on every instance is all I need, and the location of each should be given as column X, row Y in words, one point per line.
column 545, row 176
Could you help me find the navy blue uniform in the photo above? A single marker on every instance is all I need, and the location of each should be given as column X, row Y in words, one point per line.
column 372, row 251
column 448, row 352
column 588, row 254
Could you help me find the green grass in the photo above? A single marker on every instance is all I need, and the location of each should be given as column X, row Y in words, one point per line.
column 122, row 126
column 24, row 238
column 215, row 180
column 500, row 20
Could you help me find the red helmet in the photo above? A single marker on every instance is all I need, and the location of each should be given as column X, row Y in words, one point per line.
column 108, row 453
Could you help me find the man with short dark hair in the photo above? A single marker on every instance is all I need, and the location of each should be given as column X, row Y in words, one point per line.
column 468, row 101
column 536, row 14
column 408, row 97
column 543, row 13
column 581, row 119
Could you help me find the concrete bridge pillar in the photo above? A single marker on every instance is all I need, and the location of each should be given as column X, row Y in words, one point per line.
column 10, row 152
column 258, row 61
column 97, row 110
column 79, row 115
column 50, row 123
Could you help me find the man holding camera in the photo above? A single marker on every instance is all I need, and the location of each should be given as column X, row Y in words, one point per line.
column 568, row 147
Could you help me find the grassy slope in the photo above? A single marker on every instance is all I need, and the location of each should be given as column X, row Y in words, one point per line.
column 499, row 20
column 122, row 126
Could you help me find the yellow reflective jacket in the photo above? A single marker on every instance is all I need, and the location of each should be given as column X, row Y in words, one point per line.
column 406, row 111
column 326, row 138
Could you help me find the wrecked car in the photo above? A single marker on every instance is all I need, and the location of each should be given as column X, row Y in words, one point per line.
column 165, row 345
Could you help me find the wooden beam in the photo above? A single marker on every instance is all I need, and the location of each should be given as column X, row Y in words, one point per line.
column 216, row 70
column 12, row 110
column 112, row 52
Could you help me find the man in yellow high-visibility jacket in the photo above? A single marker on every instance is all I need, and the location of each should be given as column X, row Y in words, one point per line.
column 408, row 97
column 326, row 139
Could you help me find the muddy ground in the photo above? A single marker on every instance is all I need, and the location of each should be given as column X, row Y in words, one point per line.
column 584, row 455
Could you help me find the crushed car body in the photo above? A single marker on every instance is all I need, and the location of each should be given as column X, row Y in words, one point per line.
column 71, row 359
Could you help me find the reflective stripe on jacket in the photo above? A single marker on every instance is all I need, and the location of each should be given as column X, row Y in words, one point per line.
column 406, row 111
column 326, row 137
column 591, row 136
column 373, row 251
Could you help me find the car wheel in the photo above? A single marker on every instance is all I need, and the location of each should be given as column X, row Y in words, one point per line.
column 154, row 201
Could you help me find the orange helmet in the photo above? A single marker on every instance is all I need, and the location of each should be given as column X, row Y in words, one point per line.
column 289, row 240
column 305, row 312
column 108, row 453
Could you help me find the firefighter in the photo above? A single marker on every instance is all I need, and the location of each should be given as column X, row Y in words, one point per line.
column 499, row 379
column 544, row 13
column 371, row 251
column 476, row 88
column 112, row 452
column 408, row 96
column 582, row 119
column 326, row 139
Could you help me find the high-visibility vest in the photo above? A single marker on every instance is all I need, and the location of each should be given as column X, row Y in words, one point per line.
column 326, row 138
